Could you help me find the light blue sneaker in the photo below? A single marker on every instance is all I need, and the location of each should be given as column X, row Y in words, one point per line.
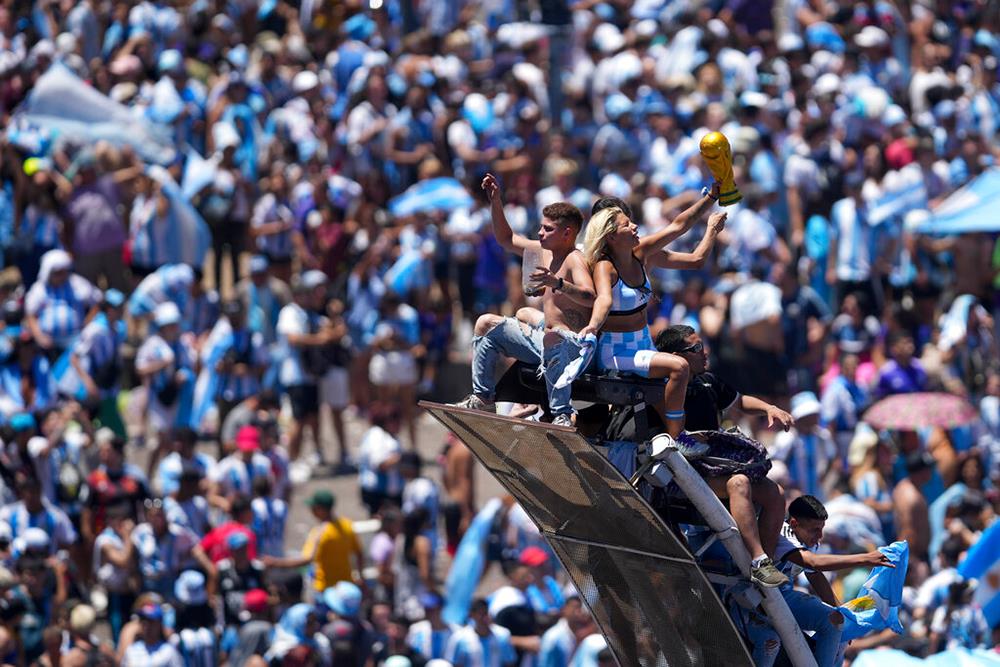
column 689, row 447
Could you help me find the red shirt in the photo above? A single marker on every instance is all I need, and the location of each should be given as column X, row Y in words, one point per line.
column 214, row 543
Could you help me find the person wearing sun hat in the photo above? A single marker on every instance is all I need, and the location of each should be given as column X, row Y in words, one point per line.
column 329, row 547
column 807, row 448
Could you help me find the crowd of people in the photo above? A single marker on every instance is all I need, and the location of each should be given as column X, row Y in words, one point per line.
column 336, row 153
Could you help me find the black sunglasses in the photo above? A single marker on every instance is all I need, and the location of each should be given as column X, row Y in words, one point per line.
column 693, row 349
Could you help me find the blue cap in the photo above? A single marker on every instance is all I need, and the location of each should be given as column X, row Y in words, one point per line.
column 431, row 600
column 114, row 297
column 822, row 35
column 258, row 264
column 359, row 27
column 656, row 107
column 426, row 79
column 617, row 105
column 170, row 60
column 237, row 540
column 344, row 599
column 150, row 611
column 985, row 39
column 189, row 589
column 22, row 421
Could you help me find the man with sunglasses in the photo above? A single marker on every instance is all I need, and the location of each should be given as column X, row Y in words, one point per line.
column 707, row 397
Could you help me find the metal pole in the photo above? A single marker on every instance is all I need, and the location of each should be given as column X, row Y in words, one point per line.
column 723, row 524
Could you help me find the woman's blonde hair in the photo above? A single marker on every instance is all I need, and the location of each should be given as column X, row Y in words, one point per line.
column 602, row 224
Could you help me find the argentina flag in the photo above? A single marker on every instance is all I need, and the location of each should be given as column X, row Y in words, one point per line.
column 206, row 389
column 879, row 599
column 982, row 562
column 61, row 104
column 435, row 194
column 189, row 237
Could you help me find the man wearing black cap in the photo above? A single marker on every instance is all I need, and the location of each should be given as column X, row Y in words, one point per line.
column 910, row 506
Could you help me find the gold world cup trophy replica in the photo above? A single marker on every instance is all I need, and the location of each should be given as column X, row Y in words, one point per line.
column 719, row 158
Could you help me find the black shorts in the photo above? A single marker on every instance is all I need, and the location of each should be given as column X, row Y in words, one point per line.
column 376, row 500
column 304, row 399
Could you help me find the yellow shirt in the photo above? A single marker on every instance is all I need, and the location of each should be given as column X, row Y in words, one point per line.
column 334, row 542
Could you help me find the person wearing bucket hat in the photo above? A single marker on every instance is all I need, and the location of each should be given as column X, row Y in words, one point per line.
column 807, row 449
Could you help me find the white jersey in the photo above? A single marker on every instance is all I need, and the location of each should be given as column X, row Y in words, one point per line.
column 788, row 543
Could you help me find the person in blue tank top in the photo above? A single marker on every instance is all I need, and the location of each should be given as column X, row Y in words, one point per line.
column 619, row 260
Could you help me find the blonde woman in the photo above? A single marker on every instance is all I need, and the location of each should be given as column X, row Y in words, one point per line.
column 619, row 260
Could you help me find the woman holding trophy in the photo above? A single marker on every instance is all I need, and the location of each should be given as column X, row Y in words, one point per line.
column 620, row 260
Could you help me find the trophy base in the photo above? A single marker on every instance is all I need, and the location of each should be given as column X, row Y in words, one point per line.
column 730, row 198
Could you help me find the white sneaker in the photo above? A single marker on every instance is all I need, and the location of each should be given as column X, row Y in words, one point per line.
column 563, row 420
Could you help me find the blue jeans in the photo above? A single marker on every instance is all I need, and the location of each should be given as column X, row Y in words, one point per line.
column 507, row 339
column 812, row 614
column 555, row 358
column 765, row 641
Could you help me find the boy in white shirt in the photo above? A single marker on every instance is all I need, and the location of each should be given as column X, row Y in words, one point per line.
column 796, row 554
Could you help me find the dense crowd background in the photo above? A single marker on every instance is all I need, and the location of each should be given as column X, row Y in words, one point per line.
column 333, row 151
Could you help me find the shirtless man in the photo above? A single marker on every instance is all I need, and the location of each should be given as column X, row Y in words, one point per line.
column 566, row 303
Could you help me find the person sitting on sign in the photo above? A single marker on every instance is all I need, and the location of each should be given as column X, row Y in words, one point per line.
column 567, row 298
column 619, row 260
column 707, row 397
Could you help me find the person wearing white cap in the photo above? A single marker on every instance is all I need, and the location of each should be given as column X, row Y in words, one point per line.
column 58, row 303
column 807, row 448
column 165, row 364
column 302, row 333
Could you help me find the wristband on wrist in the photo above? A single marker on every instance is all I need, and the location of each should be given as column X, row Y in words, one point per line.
column 558, row 288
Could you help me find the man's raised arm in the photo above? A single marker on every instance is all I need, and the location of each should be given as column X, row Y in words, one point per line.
column 501, row 228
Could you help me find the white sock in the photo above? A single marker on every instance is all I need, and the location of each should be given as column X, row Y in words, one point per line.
column 756, row 562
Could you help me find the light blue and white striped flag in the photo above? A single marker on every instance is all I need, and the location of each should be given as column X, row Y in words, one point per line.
column 435, row 194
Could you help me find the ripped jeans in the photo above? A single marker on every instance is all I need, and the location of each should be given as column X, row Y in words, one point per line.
column 555, row 357
column 507, row 339
column 512, row 339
